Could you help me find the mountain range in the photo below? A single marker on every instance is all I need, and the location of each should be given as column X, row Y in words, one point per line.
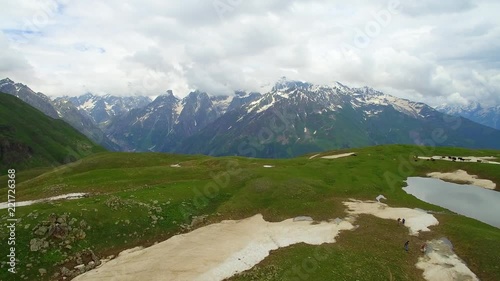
column 292, row 119
column 486, row 115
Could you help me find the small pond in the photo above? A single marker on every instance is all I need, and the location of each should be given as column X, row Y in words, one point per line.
column 468, row 200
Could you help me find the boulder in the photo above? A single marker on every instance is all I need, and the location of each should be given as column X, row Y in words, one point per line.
column 37, row 244
column 41, row 230
column 42, row 271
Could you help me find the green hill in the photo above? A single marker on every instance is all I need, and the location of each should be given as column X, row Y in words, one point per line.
column 136, row 199
column 28, row 138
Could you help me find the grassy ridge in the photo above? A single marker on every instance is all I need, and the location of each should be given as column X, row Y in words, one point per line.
column 138, row 199
column 28, row 138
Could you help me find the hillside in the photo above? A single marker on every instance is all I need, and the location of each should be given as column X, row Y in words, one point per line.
column 137, row 199
column 59, row 109
column 29, row 138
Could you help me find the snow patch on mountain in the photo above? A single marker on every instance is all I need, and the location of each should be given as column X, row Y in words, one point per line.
column 88, row 105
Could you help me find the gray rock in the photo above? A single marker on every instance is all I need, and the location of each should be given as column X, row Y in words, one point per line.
column 198, row 220
column 95, row 258
column 80, row 234
column 65, row 271
column 83, row 224
column 90, row 266
column 302, row 218
column 38, row 244
column 338, row 220
column 80, row 267
column 41, row 230
column 42, row 271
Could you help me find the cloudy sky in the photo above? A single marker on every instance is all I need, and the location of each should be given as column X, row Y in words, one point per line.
column 425, row 50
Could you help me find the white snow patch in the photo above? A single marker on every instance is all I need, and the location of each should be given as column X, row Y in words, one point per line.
column 355, row 105
column 215, row 252
column 463, row 176
column 416, row 220
column 268, row 166
column 440, row 263
column 108, row 107
column 372, row 112
column 265, row 107
column 223, row 104
column 338, row 155
column 69, row 196
column 88, row 105
column 178, row 108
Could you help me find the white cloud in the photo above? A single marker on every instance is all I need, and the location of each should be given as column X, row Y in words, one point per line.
column 431, row 51
column 456, row 98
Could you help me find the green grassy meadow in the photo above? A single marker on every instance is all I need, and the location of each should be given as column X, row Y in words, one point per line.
column 138, row 199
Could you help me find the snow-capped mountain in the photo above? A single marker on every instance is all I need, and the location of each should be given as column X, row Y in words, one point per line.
column 486, row 115
column 103, row 108
column 165, row 122
column 292, row 119
column 299, row 117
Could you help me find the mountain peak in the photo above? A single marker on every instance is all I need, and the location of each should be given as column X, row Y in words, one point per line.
column 167, row 97
column 283, row 83
column 6, row 80
column 197, row 94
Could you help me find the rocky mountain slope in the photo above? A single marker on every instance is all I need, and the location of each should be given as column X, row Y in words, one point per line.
column 297, row 118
